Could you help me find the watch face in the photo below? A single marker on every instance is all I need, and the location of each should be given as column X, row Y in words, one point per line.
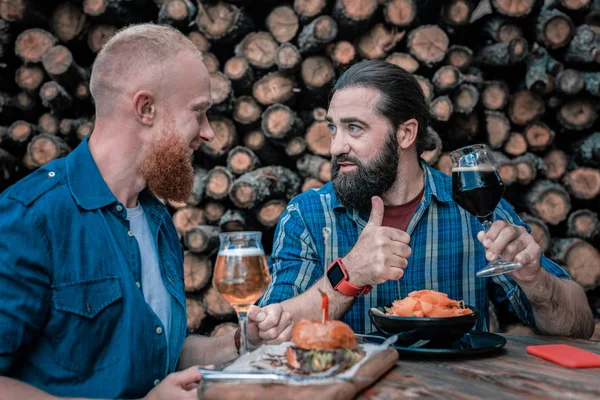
column 335, row 275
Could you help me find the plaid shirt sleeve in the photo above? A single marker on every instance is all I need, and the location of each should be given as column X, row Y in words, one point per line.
column 503, row 287
column 294, row 263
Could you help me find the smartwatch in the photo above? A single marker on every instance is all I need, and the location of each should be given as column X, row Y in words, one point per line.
column 338, row 277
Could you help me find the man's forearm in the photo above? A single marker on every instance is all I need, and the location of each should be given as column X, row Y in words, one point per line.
column 560, row 306
column 202, row 350
column 308, row 304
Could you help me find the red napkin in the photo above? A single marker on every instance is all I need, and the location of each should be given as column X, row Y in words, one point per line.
column 565, row 355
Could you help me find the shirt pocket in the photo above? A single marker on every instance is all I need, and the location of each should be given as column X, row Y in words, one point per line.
column 86, row 317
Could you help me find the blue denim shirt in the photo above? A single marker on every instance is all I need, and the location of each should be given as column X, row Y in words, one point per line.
column 73, row 319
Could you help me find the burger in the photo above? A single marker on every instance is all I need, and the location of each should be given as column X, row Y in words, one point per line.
column 318, row 346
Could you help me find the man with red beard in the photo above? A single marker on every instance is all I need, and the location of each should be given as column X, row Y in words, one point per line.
column 391, row 226
column 91, row 266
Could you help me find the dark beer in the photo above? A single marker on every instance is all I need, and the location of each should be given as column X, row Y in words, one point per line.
column 241, row 276
column 477, row 189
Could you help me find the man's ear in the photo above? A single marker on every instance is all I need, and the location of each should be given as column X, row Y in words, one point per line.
column 144, row 107
column 407, row 133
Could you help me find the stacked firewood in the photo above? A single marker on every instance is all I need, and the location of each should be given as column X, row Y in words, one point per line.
column 522, row 76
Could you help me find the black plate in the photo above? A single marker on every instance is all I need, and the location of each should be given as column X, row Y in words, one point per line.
column 472, row 343
column 410, row 329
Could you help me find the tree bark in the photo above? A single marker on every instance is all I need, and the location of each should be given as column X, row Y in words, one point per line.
column 255, row 187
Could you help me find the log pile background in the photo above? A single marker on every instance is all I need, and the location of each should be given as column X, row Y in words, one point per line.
column 522, row 76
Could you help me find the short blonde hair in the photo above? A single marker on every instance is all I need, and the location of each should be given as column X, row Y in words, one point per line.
column 132, row 52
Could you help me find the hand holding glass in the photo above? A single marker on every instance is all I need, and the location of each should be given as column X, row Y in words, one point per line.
column 241, row 275
column 477, row 187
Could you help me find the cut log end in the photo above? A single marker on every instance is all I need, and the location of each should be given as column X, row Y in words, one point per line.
column 29, row 77
column 444, row 164
column 213, row 211
column 583, row 183
column 525, row 107
column 186, row 218
column 379, row 41
column 498, row 128
column 342, row 53
column 276, row 87
column 195, row 314
column 287, row 57
column 218, row 182
column 555, row 164
column 400, row 13
column 442, row 108
column 246, row 110
column 216, row 305
column 513, row 8
column 200, row 41
column 259, row 49
column 225, row 137
column 549, row 201
column 583, row 224
column 31, row 44
column 308, row 9
column 457, row 12
column 581, row 260
column 577, row 114
column 242, row 160
column 202, row 238
column 317, row 71
column 318, row 138
column 283, row 23
column 311, row 183
column 428, row 44
column 404, row 61
column 515, row 145
column 539, row 136
column 495, row 95
column 99, row 35
column 268, row 215
column 197, row 271
column 465, row 98
column 220, row 87
column 211, row 62
column 460, row 57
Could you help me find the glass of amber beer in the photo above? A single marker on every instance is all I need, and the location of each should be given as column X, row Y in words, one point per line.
column 241, row 275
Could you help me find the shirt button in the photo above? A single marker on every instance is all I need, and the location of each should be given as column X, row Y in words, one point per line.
column 119, row 208
column 156, row 382
column 138, row 284
column 158, row 330
column 130, row 233
column 51, row 174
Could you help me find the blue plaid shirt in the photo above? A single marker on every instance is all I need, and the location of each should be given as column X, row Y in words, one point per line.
column 445, row 253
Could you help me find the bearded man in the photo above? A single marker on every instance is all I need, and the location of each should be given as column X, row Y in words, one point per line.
column 392, row 227
column 91, row 267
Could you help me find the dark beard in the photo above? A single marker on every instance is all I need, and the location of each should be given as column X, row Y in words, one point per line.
column 167, row 167
column 355, row 188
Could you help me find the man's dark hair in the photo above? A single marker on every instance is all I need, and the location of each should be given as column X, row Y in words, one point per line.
column 401, row 95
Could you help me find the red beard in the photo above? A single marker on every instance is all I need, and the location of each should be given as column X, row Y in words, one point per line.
column 167, row 167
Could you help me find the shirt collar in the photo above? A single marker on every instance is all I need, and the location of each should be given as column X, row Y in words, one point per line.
column 434, row 185
column 86, row 184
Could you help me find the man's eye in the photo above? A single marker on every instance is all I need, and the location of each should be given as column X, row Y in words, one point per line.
column 331, row 128
column 353, row 128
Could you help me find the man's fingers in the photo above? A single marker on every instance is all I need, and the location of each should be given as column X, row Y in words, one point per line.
column 512, row 249
column 401, row 250
column 284, row 336
column 492, row 234
column 272, row 333
column 377, row 210
column 529, row 254
column 272, row 318
column 504, row 237
column 398, row 236
column 185, row 377
column 255, row 314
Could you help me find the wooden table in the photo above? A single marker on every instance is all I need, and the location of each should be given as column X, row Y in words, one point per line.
column 509, row 374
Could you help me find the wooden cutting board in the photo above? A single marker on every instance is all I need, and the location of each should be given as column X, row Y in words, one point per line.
column 373, row 370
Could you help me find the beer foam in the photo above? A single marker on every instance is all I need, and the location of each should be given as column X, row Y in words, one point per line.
column 479, row 168
column 244, row 252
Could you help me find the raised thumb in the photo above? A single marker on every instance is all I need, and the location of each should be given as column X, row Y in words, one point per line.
column 376, row 211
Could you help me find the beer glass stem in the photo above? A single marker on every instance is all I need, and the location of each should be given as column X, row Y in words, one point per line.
column 243, row 320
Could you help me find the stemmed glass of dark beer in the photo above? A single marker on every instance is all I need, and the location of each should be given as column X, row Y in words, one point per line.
column 241, row 275
column 477, row 187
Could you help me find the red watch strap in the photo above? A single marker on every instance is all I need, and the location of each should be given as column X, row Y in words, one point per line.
column 345, row 287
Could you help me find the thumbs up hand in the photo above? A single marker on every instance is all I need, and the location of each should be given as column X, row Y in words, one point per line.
column 380, row 254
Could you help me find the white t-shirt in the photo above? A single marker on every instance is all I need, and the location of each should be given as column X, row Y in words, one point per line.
column 153, row 287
